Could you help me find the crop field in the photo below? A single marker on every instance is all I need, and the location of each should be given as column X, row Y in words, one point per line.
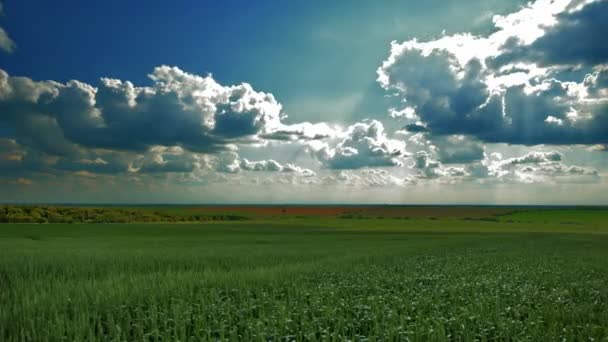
column 311, row 274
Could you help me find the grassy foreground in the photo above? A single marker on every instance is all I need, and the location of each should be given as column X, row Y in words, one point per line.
column 529, row 275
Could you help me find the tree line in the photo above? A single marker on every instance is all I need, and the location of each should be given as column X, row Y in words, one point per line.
column 55, row 214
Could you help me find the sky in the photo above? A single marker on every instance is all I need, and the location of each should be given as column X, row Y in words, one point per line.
column 432, row 102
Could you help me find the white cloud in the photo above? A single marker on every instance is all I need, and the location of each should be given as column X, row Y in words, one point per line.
column 510, row 86
column 540, row 167
column 230, row 162
column 533, row 167
column 365, row 178
column 364, row 145
column 533, row 157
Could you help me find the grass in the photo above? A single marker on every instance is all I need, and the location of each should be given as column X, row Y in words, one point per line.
column 526, row 275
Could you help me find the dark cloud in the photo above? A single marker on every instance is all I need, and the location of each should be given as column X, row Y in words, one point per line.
column 10, row 153
column 97, row 165
column 576, row 39
column 179, row 109
column 302, row 131
column 414, row 128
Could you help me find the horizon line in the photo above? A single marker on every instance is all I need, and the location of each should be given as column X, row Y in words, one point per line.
column 293, row 204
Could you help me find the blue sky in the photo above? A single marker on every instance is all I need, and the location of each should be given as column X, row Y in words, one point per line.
column 341, row 96
column 300, row 51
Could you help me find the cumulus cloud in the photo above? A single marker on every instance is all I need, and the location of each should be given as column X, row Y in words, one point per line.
column 117, row 127
column 365, row 144
column 473, row 85
column 230, row 162
column 574, row 37
column 162, row 159
column 428, row 168
column 539, row 167
column 291, row 168
column 533, row 167
column 180, row 109
column 533, row 158
column 366, row 178
column 261, row 165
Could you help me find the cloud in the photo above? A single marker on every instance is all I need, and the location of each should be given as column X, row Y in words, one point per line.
column 472, row 85
column 365, row 178
column 574, row 38
column 6, row 43
column 22, row 181
column 597, row 83
column 540, row 77
column 10, row 152
column 364, row 145
column 303, row 131
column 426, row 167
column 18, row 160
column 291, row 168
column 180, row 109
column 599, row 148
column 458, row 149
column 262, row 165
column 533, row 167
column 533, row 158
column 230, row 162
column 540, row 167
column 105, row 163
column 415, row 128
column 161, row 159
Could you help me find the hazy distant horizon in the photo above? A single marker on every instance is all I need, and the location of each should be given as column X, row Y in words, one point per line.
column 309, row 204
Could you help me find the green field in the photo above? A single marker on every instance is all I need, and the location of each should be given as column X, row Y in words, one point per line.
column 517, row 274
